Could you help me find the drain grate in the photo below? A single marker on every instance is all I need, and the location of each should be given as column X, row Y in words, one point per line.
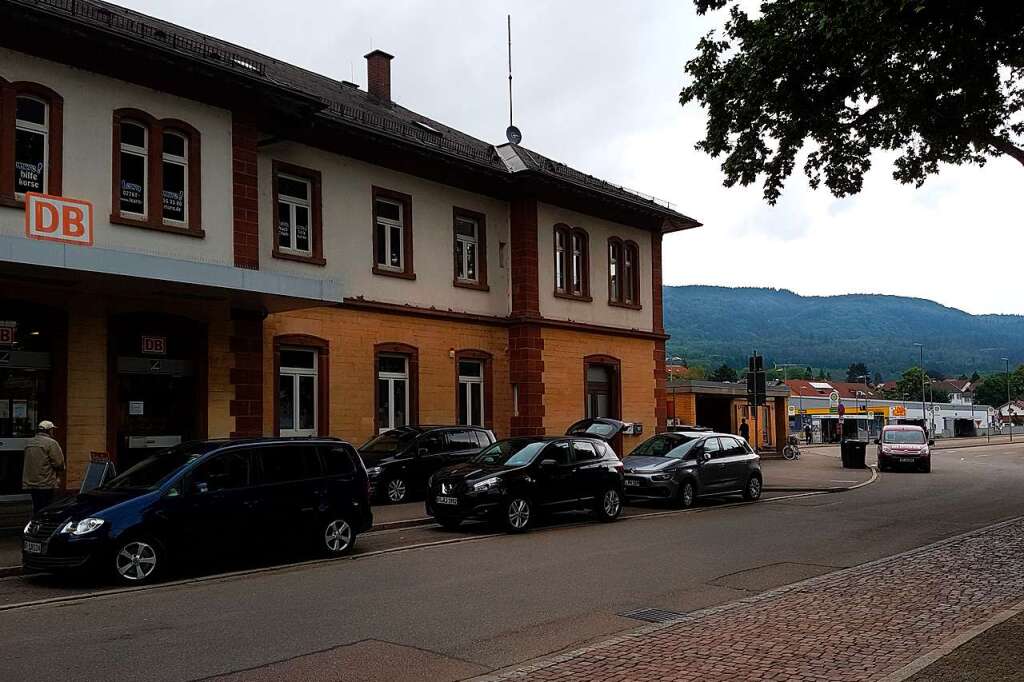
column 654, row 615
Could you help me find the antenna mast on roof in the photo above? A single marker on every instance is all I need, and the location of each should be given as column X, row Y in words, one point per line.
column 512, row 133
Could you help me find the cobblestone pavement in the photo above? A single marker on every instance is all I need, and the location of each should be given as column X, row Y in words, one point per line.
column 993, row 656
column 857, row 624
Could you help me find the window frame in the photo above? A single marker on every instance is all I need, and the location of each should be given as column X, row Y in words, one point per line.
column 624, row 286
column 411, row 355
column 565, row 263
column 314, row 180
column 486, row 361
column 54, row 151
column 176, row 160
column 407, row 270
column 480, row 283
column 322, row 387
column 153, row 218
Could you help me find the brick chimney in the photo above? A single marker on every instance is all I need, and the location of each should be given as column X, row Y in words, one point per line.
column 378, row 75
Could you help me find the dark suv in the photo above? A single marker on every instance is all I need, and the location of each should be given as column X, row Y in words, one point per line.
column 514, row 480
column 400, row 461
column 680, row 467
column 205, row 500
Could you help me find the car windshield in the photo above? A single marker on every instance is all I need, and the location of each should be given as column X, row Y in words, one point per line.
column 665, row 446
column 903, row 437
column 513, row 452
column 599, row 429
column 389, row 442
column 151, row 472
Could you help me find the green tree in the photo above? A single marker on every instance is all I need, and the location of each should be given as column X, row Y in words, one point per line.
column 856, row 372
column 975, row 378
column 992, row 388
column 937, row 82
column 909, row 385
column 879, row 379
column 723, row 373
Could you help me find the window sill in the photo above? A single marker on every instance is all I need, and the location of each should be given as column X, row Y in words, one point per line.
column 573, row 297
column 629, row 306
column 400, row 274
column 299, row 258
column 9, row 201
column 476, row 286
column 197, row 232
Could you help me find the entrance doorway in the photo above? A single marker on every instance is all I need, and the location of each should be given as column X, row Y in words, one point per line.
column 157, row 385
column 603, row 392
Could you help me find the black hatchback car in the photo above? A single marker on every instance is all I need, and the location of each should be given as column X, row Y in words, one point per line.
column 206, row 500
column 680, row 467
column 400, row 461
column 514, row 480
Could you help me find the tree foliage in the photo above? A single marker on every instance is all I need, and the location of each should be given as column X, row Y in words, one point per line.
column 856, row 372
column 992, row 388
column 909, row 385
column 724, row 373
column 937, row 81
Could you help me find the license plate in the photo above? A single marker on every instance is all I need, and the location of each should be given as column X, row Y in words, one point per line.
column 632, row 482
column 445, row 499
column 906, row 460
column 33, row 547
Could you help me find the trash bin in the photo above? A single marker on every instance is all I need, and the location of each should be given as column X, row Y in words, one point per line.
column 852, row 453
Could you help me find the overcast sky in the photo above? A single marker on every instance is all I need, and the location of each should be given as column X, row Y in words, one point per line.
column 596, row 87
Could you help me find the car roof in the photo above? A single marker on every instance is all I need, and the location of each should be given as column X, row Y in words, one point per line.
column 211, row 444
column 901, row 427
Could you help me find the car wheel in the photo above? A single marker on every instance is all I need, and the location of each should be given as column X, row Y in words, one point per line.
column 138, row 560
column 338, row 537
column 449, row 523
column 608, row 505
column 517, row 514
column 687, row 495
column 396, row 491
column 752, row 491
column 926, row 468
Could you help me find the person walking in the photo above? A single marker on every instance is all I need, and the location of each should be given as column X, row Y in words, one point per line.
column 745, row 430
column 807, row 433
column 43, row 466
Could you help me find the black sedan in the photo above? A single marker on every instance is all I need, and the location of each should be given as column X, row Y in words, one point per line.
column 680, row 467
column 515, row 480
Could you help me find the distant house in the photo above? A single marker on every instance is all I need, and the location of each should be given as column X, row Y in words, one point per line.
column 811, row 389
column 961, row 391
column 1013, row 410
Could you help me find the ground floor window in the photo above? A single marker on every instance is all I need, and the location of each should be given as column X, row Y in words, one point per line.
column 297, row 392
column 471, row 392
column 601, row 387
column 392, row 391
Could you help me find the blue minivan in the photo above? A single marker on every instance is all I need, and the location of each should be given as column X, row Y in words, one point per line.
column 207, row 500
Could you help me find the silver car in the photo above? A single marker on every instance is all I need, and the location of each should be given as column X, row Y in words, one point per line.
column 680, row 467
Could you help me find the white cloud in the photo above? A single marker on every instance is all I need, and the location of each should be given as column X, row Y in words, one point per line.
column 597, row 85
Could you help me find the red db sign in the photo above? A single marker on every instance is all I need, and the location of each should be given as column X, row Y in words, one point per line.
column 58, row 219
column 7, row 336
column 154, row 345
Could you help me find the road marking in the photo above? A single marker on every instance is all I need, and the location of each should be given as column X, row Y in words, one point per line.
column 232, row 575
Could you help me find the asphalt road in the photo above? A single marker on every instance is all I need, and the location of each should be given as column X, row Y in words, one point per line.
column 467, row 607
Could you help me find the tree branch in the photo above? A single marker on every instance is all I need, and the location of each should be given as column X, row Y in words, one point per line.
column 1004, row 146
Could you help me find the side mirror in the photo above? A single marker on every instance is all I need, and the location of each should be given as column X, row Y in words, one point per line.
column 548, row 464
column 703, row 457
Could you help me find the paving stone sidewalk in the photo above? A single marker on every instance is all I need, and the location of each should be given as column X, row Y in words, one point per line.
column 859, row 624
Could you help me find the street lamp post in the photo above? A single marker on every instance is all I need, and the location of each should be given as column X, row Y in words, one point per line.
column 924, row 411
column 1009, row 412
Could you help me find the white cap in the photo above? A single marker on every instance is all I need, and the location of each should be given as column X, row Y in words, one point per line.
column 47, row 425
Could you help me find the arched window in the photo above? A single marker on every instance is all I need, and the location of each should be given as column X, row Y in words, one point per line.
column 156, row 173
column 31, row 152
column 572, row 262
column 623, row 273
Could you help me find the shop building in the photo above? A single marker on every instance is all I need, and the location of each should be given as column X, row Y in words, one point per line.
column 723, row 406
column 197, row 240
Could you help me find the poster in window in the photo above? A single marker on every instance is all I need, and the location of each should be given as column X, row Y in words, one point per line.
column 174, row 192
column 284, row 225
column 301, row 228
column 136, row 408
column 133, row 183
column 20, row 410
column 28, row 161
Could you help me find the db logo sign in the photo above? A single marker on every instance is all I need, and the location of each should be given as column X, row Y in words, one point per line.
column 6, row 336
column 154, row 345
column 58, row 219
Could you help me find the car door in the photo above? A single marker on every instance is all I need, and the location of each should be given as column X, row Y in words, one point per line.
column 341, row 493
column 289, row 488
column 209, row 513
column 427, row 455
column 589, row 471
column 734, row 463
column 556, row 483
column 712, row 467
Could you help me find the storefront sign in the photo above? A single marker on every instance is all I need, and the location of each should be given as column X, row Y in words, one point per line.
column 58, row 219
column 897, row 411
column 154, row 345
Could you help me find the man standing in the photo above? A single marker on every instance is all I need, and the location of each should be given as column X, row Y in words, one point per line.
column 745, row 430
column 44, row 463
column 807, row 433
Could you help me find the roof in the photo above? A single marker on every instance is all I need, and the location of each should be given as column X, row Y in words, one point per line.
column 344, row 103
column 737, row 389
column 953, row 385
column 803, row 387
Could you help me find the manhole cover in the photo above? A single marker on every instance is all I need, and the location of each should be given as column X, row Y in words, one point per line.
column 654, row 615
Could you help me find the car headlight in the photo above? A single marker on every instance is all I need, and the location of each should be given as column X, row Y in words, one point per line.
column 373, row 471
column 487, row 484
column 29, row 528
column 661, row 477
column 82, row 527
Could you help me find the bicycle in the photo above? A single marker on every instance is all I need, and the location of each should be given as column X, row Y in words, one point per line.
column 792, row 449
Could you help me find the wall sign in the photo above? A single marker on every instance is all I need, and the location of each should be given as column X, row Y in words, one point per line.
column 58, row 219
column 136, row 408
column 7, row 333
column 154, row 345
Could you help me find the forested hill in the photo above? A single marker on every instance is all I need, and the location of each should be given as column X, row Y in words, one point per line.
column 716, row 325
